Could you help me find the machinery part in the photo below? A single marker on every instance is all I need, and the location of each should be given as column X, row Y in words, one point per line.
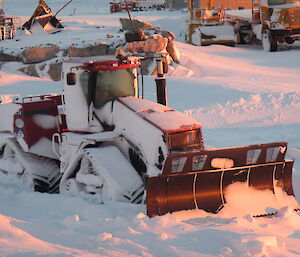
column 98, row 178
column 200, row 179
column 196, row 38
column 269, row 44
column 87, row 182
column 161, row 84
column 220, row 34
column 289, row 40
column 244, row 32
column 9, row 162
column 245, row 37
column 209, row 26
column 280, row 18
column 33, row 172
column 11, row 166
column 28, row 180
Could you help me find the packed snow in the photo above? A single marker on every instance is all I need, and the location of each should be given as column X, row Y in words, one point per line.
column 240, row 95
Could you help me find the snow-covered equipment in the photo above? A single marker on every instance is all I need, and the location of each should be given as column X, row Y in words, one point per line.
column 136, row 5
column 120, row 6
column 101, row 140
column 43, row 20
column 199, row 180
column 8, row 25
column 209, row 26
column 271, row 21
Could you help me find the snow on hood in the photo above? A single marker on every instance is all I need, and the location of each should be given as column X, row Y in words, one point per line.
column 164, row 117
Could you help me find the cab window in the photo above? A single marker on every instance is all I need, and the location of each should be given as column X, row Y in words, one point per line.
column 102, row 86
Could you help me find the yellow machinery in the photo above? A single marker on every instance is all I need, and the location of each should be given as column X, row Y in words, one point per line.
column 209, row 26
column 278, row 21
column 271, row 21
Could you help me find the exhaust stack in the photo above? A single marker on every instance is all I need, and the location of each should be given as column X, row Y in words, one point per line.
column 161, row 84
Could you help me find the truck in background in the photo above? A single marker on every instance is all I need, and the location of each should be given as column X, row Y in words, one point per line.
column 271, row 21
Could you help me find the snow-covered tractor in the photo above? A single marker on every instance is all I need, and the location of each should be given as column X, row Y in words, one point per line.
column 101, row 140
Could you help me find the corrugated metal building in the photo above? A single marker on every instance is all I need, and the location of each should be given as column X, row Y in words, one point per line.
column 1, row 7
column 227, row 4
column 176, row 4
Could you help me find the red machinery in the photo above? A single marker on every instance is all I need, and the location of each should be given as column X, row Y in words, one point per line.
column 101, row 141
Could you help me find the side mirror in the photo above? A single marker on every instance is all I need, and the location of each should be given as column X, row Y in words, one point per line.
column 71, row 78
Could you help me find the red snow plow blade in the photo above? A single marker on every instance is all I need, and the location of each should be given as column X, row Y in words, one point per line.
column 192, row 180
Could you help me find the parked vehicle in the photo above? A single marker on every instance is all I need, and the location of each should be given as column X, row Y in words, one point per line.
column 101, row 140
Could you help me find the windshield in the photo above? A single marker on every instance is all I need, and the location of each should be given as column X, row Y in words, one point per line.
column 100, row 87
column 185, row 141
column 277, row 2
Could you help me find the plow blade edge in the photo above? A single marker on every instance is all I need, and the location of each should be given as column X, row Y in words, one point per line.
column 196, row 180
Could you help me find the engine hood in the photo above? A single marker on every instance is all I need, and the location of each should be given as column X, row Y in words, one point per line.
column 163, row 117
column 287, row 17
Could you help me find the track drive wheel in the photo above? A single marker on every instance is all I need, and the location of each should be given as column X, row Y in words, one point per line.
column 27, row 181
column 13, row 164
column 86, row 182
column 12, row 167
column 9, row 162
column 269, row 44
column 98, row 178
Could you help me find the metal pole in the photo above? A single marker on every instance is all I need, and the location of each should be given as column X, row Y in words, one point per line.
column 160, row 84
column 63, row 7
column 127, row 9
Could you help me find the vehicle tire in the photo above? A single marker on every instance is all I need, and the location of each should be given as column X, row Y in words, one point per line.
column 289, row 40
column 269, row 44
column 14, row 169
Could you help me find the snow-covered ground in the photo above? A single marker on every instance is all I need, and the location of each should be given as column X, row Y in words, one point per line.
column 241, row 96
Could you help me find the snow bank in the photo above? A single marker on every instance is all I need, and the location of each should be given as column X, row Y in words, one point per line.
column 237, row 88
column 256, row 110
column 242, row 200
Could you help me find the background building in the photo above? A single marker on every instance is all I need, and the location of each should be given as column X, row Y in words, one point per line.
column 1, row 7
column 227, row 4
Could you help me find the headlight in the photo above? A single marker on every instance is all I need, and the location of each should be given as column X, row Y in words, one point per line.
column 19, row 123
